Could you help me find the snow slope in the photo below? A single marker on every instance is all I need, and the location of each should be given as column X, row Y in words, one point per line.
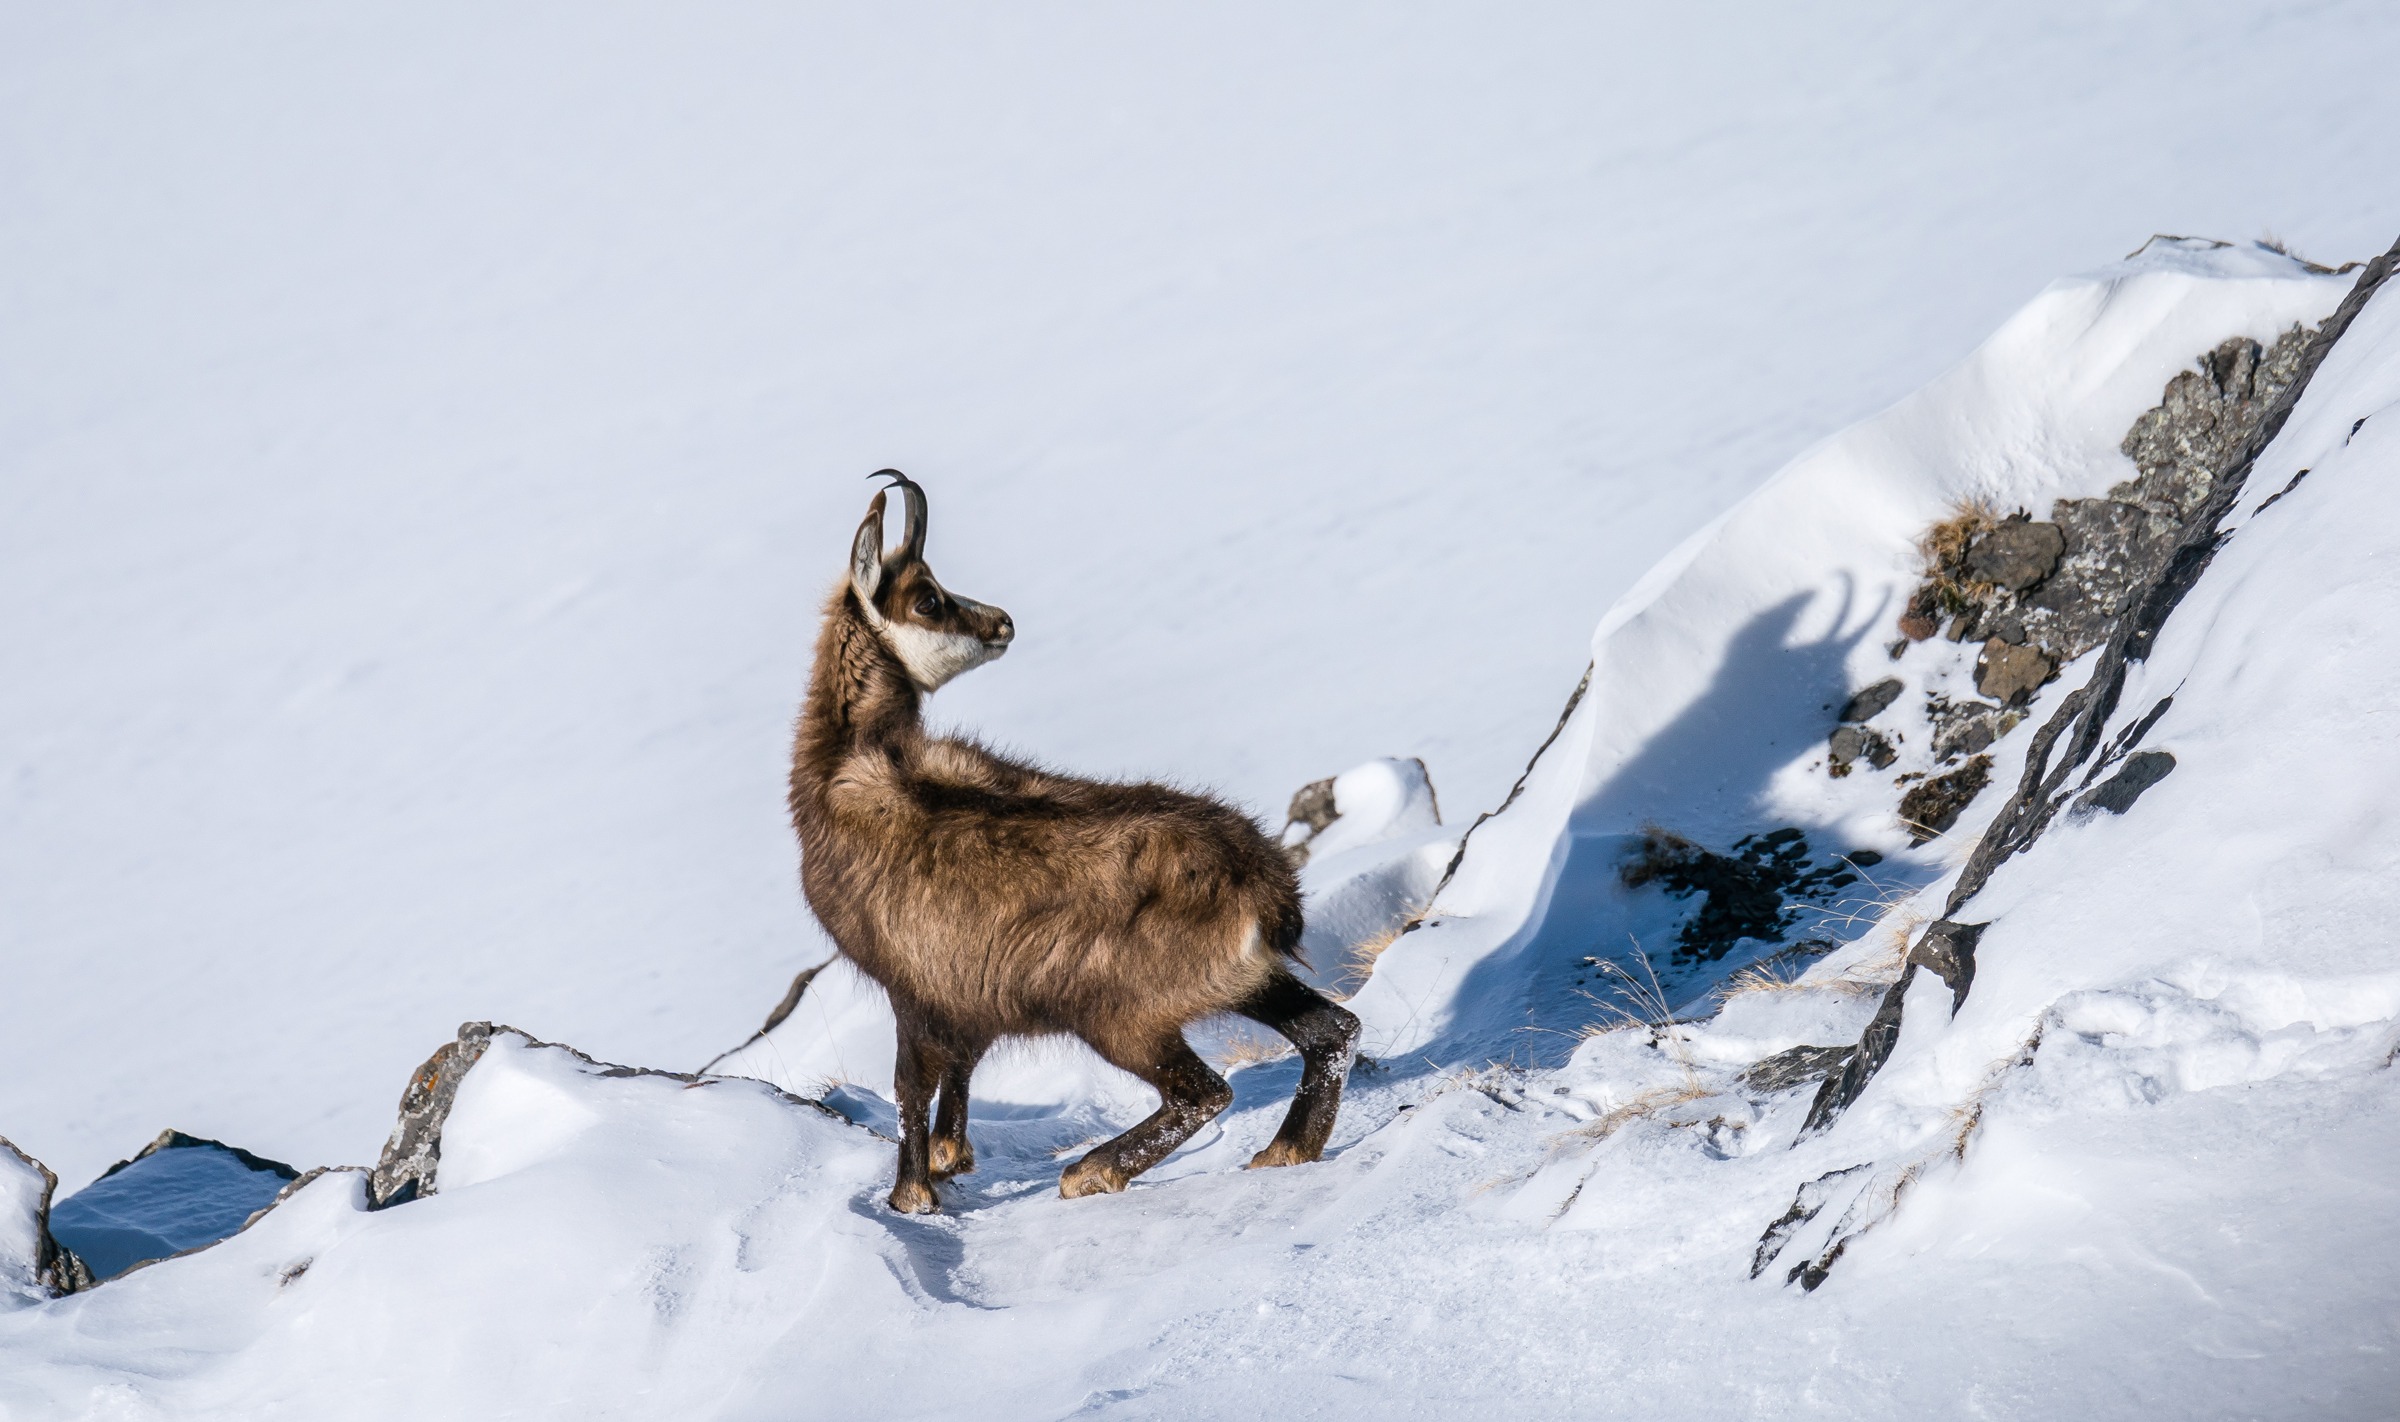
column 2146, row 1169
column 425, row 432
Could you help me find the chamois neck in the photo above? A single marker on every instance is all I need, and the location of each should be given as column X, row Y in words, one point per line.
column 859, row 695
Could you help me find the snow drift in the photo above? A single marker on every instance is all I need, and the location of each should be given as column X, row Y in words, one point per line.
column 2143, row 1167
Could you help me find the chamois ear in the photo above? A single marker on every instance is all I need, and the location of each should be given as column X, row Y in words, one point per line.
column 866, row 560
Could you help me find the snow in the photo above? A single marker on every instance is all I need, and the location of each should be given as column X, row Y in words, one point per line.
column 431, row 453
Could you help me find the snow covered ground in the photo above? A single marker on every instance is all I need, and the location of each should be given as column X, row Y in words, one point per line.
column 425, row 456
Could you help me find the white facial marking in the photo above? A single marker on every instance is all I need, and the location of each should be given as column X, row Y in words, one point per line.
column 932, row 657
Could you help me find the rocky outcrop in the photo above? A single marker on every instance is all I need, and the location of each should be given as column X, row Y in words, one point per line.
column 412, row 1157
column 410, row 1167
column 2196, row 451
column 2052, row 590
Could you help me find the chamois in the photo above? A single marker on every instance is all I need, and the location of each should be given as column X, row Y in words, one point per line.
column 993, row 899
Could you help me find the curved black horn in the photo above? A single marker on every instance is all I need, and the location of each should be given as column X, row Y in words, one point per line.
column 912, row 541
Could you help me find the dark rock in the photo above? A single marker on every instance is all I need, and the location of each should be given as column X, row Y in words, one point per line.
column 1932, row 807
column 413, row 1155
column 1949, row 950
column 1922, row 617
column 1795, row 1066
column 1752, row 893
column 2011, row 675
column 1854, row 743
column 2116, row 794
column 1967, row 727
column 179, row 1194
column 2016, row 554
column 1868, row 704
column 2005, row 627
column 1874, row 1045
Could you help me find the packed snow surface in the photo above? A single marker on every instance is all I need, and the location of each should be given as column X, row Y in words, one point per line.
column 428, row 456
column 430, row 431
column 2149, row 1169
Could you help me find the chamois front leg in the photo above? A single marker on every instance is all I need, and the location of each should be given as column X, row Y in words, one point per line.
column 1327, row 1037
column 1189, row 1097
column 950, row 1153
column 915, row 1072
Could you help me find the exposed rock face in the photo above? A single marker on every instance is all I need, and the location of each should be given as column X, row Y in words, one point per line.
column 1795, row 1066
column 1931, row 807
column 1750, row 892
column 412, row 1157
column 2116, row 794
column 1870, row 703
column 2196, row 451
column 2011, row 675
column 1949, row 950
column 2060, row 585
column 1967, row 727
column 2015, row 555
column 1855, row 743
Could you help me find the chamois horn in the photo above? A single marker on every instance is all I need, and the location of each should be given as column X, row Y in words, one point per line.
column 912, row 541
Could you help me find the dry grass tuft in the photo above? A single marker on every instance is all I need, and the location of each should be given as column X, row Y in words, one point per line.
column 1249, row 1049
column 1359, row 963
column 1648, row 1103
column 1766, row 975
column 1944, row 550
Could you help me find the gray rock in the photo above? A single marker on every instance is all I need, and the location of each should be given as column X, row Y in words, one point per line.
column 1948, row 949
column 1855, row 743
column 2117, row 793
column 1967, row 727
column 1795, row 1066
column 412, row 1157
column 1868, row 704
column 2010, row 675
column 2016, row 554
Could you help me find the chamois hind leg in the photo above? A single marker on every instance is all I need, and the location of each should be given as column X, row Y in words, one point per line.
column 1327, row 1037
column 915, row 1072
column 949, row 1152
column 1189, row 1097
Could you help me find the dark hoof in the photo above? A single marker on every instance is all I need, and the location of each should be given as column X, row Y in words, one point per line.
column 952, row 1158
column 1090, row 1176
column 912, row 1199
column 1282, row 1153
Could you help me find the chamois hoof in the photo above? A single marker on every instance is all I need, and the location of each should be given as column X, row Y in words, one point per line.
column 951, row 1158
column 1090, row 1176
column 909, row 1198
column 1282, row 1153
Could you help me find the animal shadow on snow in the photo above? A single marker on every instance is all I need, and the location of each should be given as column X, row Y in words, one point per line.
column 1703, row 775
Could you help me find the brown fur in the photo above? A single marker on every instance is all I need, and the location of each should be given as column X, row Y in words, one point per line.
column 994, row 899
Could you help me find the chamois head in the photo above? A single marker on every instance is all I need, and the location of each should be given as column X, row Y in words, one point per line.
column 934, row 632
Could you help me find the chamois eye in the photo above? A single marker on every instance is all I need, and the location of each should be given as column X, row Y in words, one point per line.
column 928, row 605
